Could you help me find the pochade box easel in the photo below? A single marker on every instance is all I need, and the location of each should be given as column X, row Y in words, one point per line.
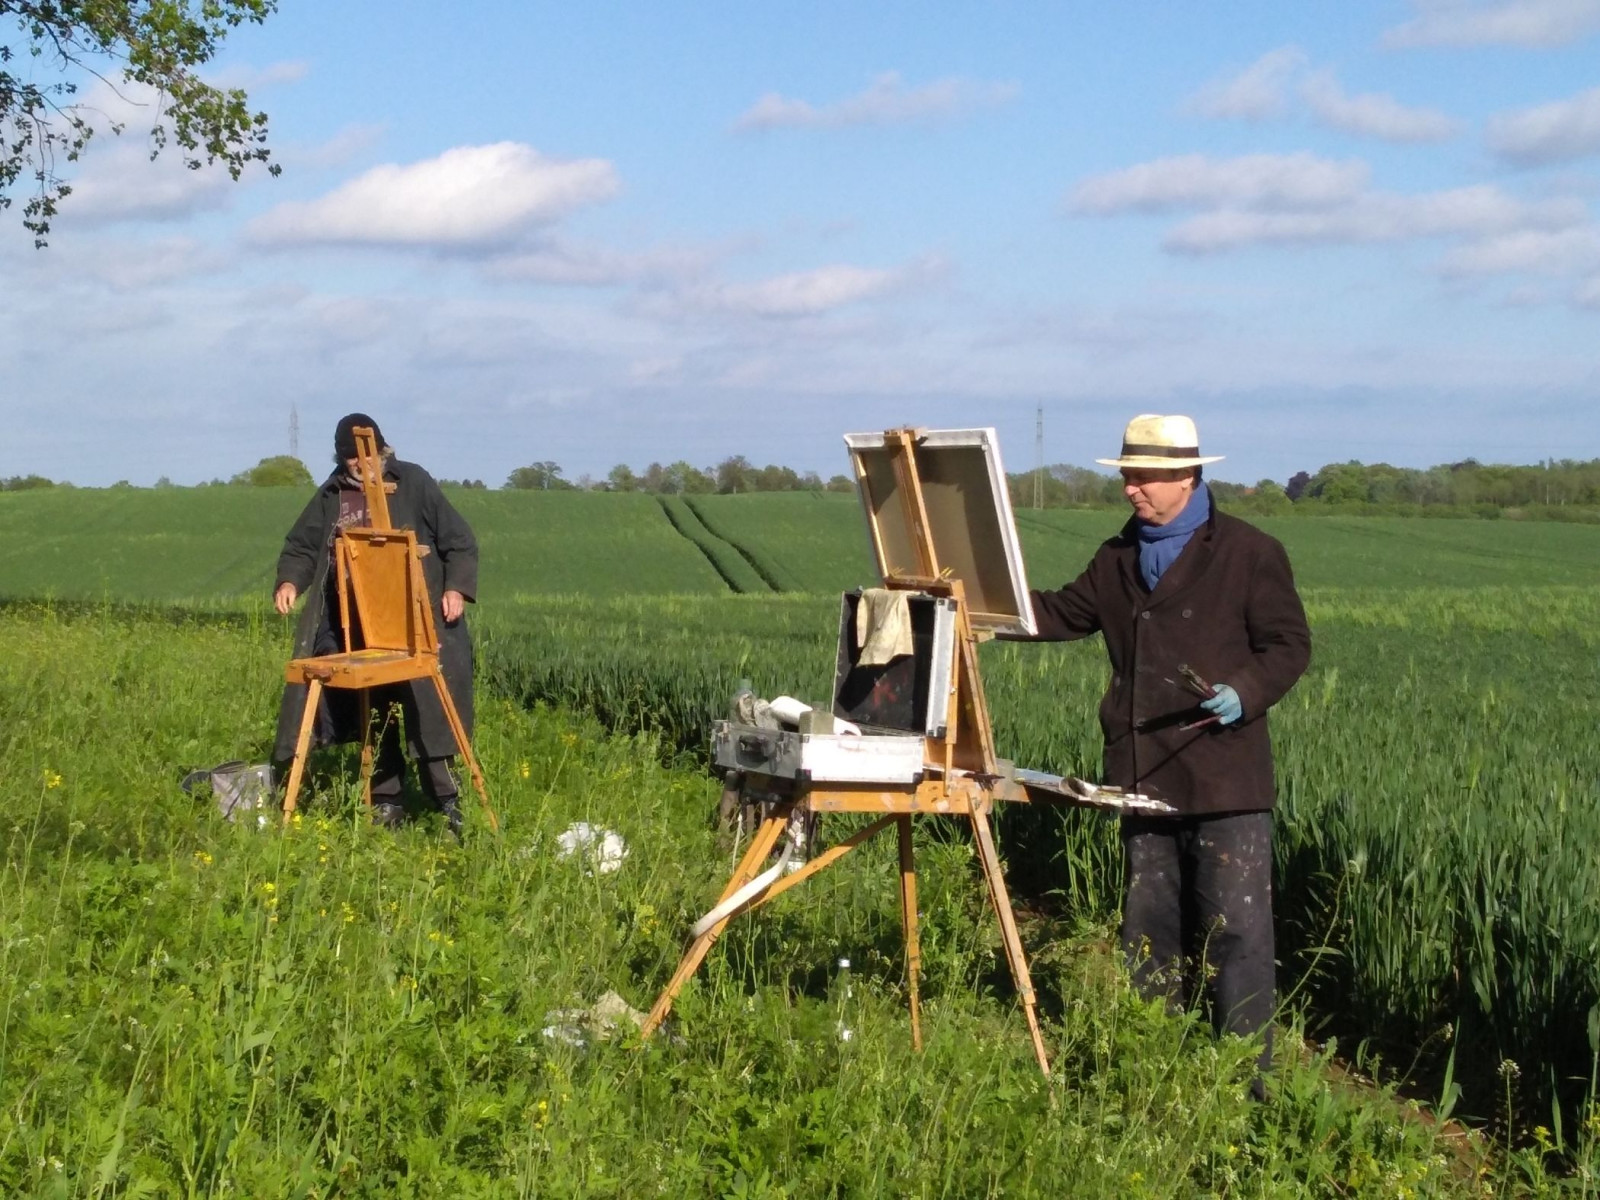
column 940, row 522
column 383, row 604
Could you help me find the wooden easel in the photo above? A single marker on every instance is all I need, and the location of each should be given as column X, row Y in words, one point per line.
column 380, row 583
column 961, row 780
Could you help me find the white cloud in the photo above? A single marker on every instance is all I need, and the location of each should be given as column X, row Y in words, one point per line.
column 1375, row 217
column 1540, row 251
column 117, row 180
column 1254, row 94
column 560, row 262
column 345, row 144
column 1277, row 181
column 886, row 101
column 250, row 78
column 120, row 182
column 467, row 197
column 1558, row 132
column 808, row 293
column 1587, row 294
column 1535, row 23
column 1373, row 114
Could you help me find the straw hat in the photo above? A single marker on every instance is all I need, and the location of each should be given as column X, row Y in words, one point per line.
column 1160, row 443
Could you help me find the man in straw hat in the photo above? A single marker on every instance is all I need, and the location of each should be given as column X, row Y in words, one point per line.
column 1205, row 632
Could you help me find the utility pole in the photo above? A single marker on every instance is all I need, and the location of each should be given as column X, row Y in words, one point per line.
column 294, row 431
column 1038, row 458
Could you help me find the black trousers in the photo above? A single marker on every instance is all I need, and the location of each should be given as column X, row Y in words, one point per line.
column 1198, row 912
column 389, row 763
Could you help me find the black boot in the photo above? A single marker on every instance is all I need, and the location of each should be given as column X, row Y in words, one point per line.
column 451, row 809
column 388, row 814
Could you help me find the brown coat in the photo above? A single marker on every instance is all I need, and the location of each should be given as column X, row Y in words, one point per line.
column 1227, row 607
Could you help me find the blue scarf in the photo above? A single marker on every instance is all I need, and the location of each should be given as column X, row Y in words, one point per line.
column 1160, row 545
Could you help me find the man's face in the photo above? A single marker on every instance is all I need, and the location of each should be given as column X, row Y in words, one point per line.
column 352, row 467
column 1157, row 495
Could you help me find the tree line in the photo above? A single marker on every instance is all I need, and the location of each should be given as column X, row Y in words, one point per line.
column 731, row 475
column 1557, row 488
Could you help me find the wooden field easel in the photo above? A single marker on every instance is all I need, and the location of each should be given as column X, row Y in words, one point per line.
column 381, row 585
column 960, row 778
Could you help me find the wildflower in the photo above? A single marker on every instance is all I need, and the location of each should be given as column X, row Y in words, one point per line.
column 268, row 887
column 202, row 858
column 525, row 770
column 295, row 820
column 348, row 912
column 569, row 739
column 52, row 779
column 435, row 936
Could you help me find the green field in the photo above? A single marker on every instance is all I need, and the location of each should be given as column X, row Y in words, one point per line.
column 1439, row 826
column 204, row 545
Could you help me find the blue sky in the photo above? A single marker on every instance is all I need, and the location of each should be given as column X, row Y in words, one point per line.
column 629, row 232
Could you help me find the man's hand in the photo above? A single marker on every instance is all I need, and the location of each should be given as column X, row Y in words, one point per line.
column 1224, row 703
column 454, row 604
column 283, row 599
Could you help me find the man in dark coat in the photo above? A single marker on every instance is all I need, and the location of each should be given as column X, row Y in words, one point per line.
column 450, row 566
column 1185, row 586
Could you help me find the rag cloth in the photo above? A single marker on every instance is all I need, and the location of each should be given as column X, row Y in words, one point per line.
column 883, row 626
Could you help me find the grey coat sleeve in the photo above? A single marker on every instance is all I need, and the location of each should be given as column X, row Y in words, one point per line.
column 306, row 544
column 453, row 540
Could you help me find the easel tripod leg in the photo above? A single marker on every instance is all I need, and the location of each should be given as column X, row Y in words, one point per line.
column 366, row 747
column 302, row 745
column 460, row 734
column 908, row 919
column 989, row 856
column 749, row 867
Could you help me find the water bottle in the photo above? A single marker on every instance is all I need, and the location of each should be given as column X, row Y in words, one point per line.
column 841, row 1000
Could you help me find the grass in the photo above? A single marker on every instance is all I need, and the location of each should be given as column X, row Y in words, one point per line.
column 195, row 1008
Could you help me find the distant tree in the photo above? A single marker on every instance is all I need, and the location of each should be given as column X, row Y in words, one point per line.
column 734, row 474
column 281, row 470
column 160, row 44
column 841, row 483
column 25, row 483
column 622, row 479
column 1296, row 487
column 476, row 485
column 540, row 476
column 681, row 478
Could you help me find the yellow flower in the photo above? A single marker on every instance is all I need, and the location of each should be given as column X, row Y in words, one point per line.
column 268, row 887
column 52, row 779
column 296, row 819
column 525, row 770
column 435, row 936
column 202, row 858
column 349, row 913
column 569, row 739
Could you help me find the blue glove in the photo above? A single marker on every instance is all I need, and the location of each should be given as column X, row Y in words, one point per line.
column 1225, row 704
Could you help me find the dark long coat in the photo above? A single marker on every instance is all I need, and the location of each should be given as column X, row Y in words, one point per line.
column 451, row 564
column 1227, row 607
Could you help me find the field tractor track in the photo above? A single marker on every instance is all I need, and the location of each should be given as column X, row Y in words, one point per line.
column 770, row 573
column 725, row 558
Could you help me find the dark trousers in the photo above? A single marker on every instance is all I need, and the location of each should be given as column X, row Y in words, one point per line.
column 389, row 768
column 389, row 764
column 1199, row 910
